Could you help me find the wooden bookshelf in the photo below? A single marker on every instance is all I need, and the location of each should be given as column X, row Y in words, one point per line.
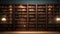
column 29, row 17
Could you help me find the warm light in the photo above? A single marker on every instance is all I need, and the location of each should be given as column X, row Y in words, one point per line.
column 24, row 25
column 49, row 9
column 31, row 6
column 10, row 9
column 21, row 6
column 3, row 19
column 57, row 19
column 31, row 9
column 49, row 6
column 10, row 6
column 23, row 9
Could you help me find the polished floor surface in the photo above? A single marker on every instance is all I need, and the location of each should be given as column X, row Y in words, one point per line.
column 30, row 32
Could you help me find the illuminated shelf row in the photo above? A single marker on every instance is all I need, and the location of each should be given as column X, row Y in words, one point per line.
column 6, row 10
column 33, row 26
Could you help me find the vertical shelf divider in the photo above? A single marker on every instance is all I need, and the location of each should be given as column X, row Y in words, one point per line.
column 27, row 17
column 46, row 17
column 36, row 17
column 53, row 16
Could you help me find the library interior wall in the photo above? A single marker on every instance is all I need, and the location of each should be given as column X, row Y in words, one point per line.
column 29, row 1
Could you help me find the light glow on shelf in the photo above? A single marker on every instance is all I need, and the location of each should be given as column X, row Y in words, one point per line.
column 3, row 19
column 21, row 6
column 57, row 19
column 10, row 6
column 49, row 9
column 10, row 9
column 49, row 6
column 31, row 10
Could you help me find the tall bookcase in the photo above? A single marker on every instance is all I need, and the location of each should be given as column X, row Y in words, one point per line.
column 29, row 17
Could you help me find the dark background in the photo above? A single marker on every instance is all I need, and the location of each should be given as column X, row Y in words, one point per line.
column 29, row 1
